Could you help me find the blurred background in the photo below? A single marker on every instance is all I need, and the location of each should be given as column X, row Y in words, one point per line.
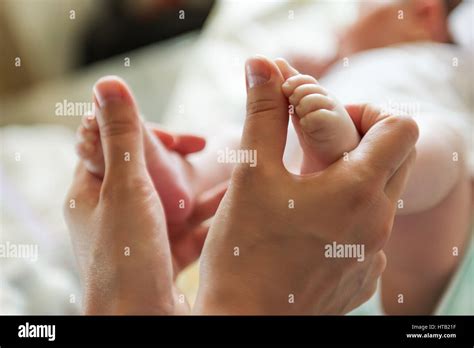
column 182, row 58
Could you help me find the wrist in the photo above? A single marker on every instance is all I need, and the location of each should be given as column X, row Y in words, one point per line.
column 237, row 301
column 120, row 293
column 126, row 306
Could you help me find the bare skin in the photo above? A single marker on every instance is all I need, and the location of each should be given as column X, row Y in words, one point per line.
column 254, row 215
column 324, row 128
column 189, row 194
column 423, row 20
column 434, row 172
column 124, row 209
column 436, row 203
column 187, row 248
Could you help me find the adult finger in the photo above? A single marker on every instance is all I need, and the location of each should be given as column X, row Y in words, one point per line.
column 386, row 143
column 397, row 183
column 120, row 129
column 266, row 124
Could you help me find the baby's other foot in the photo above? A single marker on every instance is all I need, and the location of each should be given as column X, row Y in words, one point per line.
column 325, row 129
column 167, row 169
column 89, row 147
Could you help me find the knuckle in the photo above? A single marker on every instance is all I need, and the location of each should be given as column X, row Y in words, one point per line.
column 380, row 234
column 367, row 177
column 410, row 127
column 119, row 127
column 365, row 194
column 407, row 125
column 261, row 107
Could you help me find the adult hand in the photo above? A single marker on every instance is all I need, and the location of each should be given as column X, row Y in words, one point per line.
column 117, row 224
column 266, row 252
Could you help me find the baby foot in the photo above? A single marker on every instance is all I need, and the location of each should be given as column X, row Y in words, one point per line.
column 325, row 129
column 167, row 169
column 89, row 146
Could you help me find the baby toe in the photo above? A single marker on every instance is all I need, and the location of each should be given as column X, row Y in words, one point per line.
column 89, row 121
column 92, row 156
column 86, row 135
column 302, row 91
column 85, row 150
column 295, row 81
column 320, row 125
column 314, row 102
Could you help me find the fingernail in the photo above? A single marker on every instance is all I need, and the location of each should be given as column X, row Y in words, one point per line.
column 257, row 72
column 107, row 89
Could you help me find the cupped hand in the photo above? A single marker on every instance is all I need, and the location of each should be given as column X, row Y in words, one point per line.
column 117, row 224
column 268, row 249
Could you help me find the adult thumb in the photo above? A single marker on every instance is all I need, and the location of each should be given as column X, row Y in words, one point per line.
column 120, row 129
column 266, row 124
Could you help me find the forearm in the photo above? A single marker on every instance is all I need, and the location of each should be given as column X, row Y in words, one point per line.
column 438, row 167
